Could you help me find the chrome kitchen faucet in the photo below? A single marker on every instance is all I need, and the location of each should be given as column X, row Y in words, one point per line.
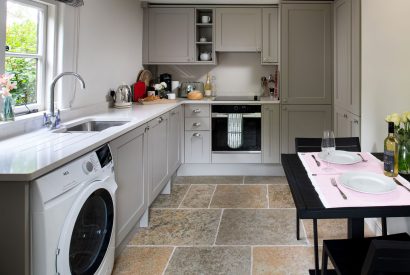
column 52, row 120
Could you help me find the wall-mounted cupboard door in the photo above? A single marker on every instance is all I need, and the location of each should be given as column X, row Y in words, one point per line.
column 270, row 35
column 171, row 35
column 303, row 121
column 346, row 124
column 130, row 157
column 238, row 29
column 347, row 55
column 306, row 53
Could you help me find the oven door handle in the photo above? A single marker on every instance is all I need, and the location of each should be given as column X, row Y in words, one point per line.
column 244, row 115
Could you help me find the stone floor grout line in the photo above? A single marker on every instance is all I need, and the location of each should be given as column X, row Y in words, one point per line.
column 218, row 245
column 217, row 229
column 251, row 271
column 169, row 260
column 187, row 191
column 212, row 197
column 267, row 195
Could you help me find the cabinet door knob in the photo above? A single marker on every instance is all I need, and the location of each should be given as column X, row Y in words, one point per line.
column 160, row 120
column 196, row 124
column 196, row 111
column 356, row 121
column 146, row 129
column 196, row 135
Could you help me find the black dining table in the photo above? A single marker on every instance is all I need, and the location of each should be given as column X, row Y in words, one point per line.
column 309, row 206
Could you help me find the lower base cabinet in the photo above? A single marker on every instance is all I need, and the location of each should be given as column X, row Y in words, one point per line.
column 303, row 121
column 197, row 146
column 129, row 155
column 270, row 133
column 157, row 155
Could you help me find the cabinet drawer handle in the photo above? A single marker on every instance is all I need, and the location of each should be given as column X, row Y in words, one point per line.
column 196, row 135
column 146, row 129
column 196, row 124
column 160, row 120
column 196, row 111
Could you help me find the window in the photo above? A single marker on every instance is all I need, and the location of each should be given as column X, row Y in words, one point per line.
column 25, row 52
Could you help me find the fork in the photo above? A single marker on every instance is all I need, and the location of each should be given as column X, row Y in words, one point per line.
column 333, row 181
column 364, row 160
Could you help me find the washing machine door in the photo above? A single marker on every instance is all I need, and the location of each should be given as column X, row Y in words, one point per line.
column 87, row 231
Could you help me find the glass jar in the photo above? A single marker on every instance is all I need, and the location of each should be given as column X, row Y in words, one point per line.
column 8, row 112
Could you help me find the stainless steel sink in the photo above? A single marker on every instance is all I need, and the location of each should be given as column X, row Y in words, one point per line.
column 91, row 126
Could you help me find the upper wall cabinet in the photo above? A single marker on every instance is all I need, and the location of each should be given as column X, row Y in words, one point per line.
column 306, row 53
column 347, row 55
column 170, row 35
column 238, row 29
column 270, row 35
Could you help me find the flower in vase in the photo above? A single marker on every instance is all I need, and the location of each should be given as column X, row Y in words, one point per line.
column 160, row 86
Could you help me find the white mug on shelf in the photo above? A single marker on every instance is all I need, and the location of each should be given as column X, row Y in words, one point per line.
column 206, row 19
column 202, row 39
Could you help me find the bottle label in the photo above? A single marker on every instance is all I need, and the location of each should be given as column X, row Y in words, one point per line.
column 389, row 161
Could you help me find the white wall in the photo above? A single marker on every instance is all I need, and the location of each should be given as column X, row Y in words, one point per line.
column 108, row 51
column 385, row 66
column 236, row 73
column 385, row 74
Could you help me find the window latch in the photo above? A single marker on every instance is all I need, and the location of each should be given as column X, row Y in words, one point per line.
column 7, row 48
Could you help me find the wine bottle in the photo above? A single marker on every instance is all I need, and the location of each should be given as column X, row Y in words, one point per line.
column 208, row 86
column 391, row 154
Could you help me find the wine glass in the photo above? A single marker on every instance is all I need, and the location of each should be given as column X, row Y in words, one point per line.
column 328, row 145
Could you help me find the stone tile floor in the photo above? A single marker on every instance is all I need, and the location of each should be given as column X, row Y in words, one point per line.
column 224, row 225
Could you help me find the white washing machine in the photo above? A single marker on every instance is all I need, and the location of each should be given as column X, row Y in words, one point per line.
column 73, row 217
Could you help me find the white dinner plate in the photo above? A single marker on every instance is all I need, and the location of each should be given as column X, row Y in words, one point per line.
column 340, row 157
column 367, row 182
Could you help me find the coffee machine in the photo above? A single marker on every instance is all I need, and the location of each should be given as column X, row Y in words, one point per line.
column 167, row 78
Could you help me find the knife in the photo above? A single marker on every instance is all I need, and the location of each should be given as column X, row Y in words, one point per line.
column 399, row 183
column 317, row 162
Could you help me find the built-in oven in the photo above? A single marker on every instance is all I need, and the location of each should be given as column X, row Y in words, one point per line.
column 236, row 133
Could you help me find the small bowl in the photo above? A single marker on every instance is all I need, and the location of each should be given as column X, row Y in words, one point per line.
column 202, row 39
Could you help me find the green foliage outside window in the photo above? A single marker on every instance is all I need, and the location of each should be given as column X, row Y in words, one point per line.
column 21, row 37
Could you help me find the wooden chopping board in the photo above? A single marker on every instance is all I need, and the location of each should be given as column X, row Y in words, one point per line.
column 158, row 101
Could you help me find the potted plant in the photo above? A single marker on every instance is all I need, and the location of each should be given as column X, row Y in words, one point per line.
column 402, row 132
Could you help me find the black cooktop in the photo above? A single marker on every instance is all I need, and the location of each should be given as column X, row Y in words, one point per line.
column 237, row 98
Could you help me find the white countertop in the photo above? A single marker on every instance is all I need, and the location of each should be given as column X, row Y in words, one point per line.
column 29, row 156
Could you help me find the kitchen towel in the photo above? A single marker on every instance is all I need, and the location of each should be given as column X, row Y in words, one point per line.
column 330, row 196
column 235, row 135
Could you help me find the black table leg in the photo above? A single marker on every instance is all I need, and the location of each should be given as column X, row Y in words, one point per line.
column 316, row 246
column 384, row 226
column 355, row 228
column 297, row 226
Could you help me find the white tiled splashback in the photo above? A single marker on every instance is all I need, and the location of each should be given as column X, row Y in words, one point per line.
column 236, row 74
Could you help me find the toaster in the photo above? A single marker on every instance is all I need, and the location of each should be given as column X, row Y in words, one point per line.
column 187, row 87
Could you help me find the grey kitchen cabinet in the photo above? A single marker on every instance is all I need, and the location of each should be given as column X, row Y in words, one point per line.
column 303, row 121
column 175, row 139
column 130, row 157
column 197, row 146
column 270, row 133
column 346, row 124
column 238, row 29
column 157, row 155
column 347, row 55
column 306, row 53
column 270, row 35
column 170, row 35
column 197, row 133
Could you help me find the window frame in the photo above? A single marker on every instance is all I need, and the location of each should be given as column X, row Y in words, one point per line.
column 41, row 54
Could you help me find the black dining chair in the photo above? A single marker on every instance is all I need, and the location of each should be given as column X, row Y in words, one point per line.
column 369, row 256
column 302, row 145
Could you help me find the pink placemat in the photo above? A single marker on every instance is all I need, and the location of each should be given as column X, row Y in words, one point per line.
column 331, row 197
column 372, row 165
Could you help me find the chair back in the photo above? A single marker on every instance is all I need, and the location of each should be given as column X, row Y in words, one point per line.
column 351, row 144
column 387, row 257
